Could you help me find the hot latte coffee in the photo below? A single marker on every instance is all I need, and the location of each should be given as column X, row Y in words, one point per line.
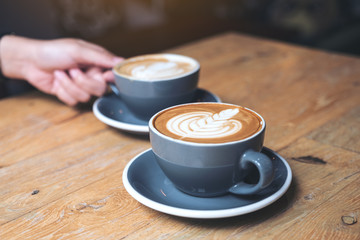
column 156, row 67
column 208, row 123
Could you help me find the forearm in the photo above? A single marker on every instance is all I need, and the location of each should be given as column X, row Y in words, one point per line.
column 16, row 55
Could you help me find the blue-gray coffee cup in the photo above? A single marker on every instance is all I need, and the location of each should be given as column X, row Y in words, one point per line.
column 149, row 88
column 212, row 169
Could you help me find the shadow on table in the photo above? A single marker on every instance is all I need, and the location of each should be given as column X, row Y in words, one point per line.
column 272, row 211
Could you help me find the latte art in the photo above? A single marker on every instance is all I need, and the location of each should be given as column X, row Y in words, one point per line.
column 157, row 70
column 205, row 124
column 208, row 122
column 156, row 67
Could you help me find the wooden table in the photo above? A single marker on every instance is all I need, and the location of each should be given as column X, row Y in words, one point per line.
column 61, row 168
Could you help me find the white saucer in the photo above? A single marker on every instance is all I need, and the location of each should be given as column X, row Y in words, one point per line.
column 111, row 110
column 145, row 181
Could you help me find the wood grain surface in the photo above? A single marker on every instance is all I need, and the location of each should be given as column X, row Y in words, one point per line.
column 61, row 168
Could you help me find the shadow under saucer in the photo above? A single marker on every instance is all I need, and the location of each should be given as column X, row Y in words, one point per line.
column 111, row 110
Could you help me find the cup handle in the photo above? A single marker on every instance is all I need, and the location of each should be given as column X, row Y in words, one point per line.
column 114, row 88
column 264, row 166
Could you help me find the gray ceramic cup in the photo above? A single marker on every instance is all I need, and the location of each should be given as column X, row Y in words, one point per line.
column 212, row 169
column 146, row 97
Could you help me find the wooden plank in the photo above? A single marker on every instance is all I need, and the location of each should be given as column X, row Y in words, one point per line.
column 65, row 179
column 319, row 196
column 326, row 220
column 343, row 132
column 295, row 89
column 84, row 213
column 34, row 123
column 63, row 170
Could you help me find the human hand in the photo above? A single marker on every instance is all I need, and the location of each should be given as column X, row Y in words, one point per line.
column 71, row 69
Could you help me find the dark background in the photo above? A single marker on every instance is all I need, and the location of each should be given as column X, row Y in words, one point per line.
column 133, row 27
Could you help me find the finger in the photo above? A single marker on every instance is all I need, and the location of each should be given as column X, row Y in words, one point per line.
column 108, row 76
column 91, row 54
column 91, row 82
column 71, row 87
column 91, row 45
column 97, row 75
column 93, row 71
column 62, row 95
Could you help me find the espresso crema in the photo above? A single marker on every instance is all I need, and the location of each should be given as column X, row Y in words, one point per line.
column 156, row 66
column 208, row 123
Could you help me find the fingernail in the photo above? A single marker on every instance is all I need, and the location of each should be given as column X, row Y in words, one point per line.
column 58, row 74
column 74, row 73
column 118, row 59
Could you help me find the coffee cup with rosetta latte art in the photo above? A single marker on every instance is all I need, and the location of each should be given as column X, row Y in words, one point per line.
column 150, row 83
column 210, row 149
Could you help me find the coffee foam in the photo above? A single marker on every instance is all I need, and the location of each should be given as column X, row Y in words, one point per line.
column 156, row 67
column 208, row 123
column 204, row 124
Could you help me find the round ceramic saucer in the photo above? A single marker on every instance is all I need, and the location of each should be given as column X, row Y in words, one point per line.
column 111, row 110
column 145, row 181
